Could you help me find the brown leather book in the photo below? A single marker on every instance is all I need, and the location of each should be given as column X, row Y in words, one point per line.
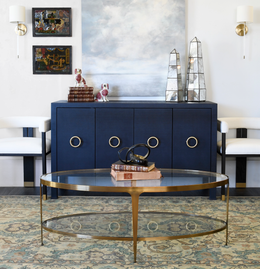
column 132, row 167
column 125, row 175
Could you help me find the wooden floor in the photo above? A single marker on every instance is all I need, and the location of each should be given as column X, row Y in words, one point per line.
column 36, row 191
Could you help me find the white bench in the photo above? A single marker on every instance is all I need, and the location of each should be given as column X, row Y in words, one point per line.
column 27, row 145
column 240, row 146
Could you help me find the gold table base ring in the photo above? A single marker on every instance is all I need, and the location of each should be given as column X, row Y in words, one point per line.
column 157, row 142
column 118, row 141
column 196, row 142
column 75, row 137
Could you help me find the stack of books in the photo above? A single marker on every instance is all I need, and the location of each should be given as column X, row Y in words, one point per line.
column 121, row 171
column 81, row 94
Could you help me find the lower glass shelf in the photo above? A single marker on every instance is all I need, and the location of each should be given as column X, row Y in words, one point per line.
column 118, row 225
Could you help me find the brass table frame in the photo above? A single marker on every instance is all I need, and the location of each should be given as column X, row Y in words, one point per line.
column 135, row 192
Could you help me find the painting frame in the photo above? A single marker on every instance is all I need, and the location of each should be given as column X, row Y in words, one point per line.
column 55, row 22
column 52, row 60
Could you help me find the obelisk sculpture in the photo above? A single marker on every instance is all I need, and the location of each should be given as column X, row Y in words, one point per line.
column 195, row 83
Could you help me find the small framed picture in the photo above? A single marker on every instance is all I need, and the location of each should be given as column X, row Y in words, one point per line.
column 52, row 60
column 51, row 22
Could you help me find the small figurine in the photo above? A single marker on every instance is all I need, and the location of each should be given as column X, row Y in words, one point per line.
column 102, row 94
column 80, row 81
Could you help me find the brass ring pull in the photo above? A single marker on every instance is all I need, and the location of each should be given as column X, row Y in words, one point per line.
column 75, row 137
column 156, row 227
column 115, row 230
column 74, row 225
column 191, row 226
column 196, row 142
column 157, row 142
column 110, row 139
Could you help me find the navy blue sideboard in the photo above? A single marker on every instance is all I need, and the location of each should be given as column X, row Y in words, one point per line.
column 85, row 135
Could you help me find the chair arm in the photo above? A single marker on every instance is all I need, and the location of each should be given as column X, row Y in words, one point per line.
column 44, row 124
column 222, row 126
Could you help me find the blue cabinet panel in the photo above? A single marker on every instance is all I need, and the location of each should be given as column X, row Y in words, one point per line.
column 152, row 124
column 75, row 122
column 112, row 122
column 190, row 125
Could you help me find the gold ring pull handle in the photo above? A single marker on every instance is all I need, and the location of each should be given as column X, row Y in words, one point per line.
column 196, row 142
column 118, row 141
column 75, row 137
column 157, row 142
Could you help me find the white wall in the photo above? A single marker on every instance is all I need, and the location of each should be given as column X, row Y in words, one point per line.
column 23, row 93
column 231, row 81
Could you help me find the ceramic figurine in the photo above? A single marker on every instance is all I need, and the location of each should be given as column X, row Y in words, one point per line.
column 102, row 94
column 80, row 81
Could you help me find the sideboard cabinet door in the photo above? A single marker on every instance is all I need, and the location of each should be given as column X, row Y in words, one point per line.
column 114, row 131
column 192, row 139
column 154, row 127
column 75, row 138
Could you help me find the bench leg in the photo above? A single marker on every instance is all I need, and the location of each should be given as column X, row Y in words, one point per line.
column 44, row 188
column 28, row 171
column 241, row 172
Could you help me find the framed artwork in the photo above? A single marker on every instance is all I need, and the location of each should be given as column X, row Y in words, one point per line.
column 128, row 45
column 52, row 60
column 51, row 22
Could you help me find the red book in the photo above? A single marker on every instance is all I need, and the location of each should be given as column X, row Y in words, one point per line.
column 125, row 175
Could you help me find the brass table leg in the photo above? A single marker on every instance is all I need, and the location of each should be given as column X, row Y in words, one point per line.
column 227, row 213
column 135, row 200
column 41, row 213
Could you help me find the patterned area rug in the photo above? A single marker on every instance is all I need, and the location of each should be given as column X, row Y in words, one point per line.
column 20, row 235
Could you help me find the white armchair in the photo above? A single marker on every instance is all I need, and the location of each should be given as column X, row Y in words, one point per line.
column 27, row 145
column 239, row 147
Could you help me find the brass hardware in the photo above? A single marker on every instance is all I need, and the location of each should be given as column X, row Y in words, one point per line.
column 20, row 29
column 190, row 228
column 28, row 184
column 196, row 142
column 240, row 29
column 118, row 225
column 44, row 196
column 75, row 137
column 157, row 142
column 241, row 185
column 73, row 228
column 110, row 139
column 156, row 228
column 223, row 197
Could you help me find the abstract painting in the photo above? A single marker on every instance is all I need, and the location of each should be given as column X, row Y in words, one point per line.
column 52, row 60
column 51, row 22
column 127, row 43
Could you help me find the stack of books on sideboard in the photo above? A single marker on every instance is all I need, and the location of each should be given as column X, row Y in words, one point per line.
column 81, row 94
column 121, row 171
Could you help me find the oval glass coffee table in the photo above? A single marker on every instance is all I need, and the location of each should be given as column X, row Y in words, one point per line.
column 135, row 225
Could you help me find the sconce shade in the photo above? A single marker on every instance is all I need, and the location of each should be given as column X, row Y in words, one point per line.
column 245, row 14
column 16, row 14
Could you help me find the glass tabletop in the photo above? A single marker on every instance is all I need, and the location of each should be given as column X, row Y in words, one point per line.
column 103, row 178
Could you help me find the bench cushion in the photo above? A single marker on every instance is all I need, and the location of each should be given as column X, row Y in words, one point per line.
column 23, row 145
column 240, row 146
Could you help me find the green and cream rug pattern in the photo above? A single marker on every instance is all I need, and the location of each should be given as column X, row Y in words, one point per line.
column 20, row 245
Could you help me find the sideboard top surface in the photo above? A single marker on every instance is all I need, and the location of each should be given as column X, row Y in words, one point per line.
column 136, row 104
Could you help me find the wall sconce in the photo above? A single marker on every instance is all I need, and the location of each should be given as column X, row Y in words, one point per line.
column 245, row 15
column 17, row 15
